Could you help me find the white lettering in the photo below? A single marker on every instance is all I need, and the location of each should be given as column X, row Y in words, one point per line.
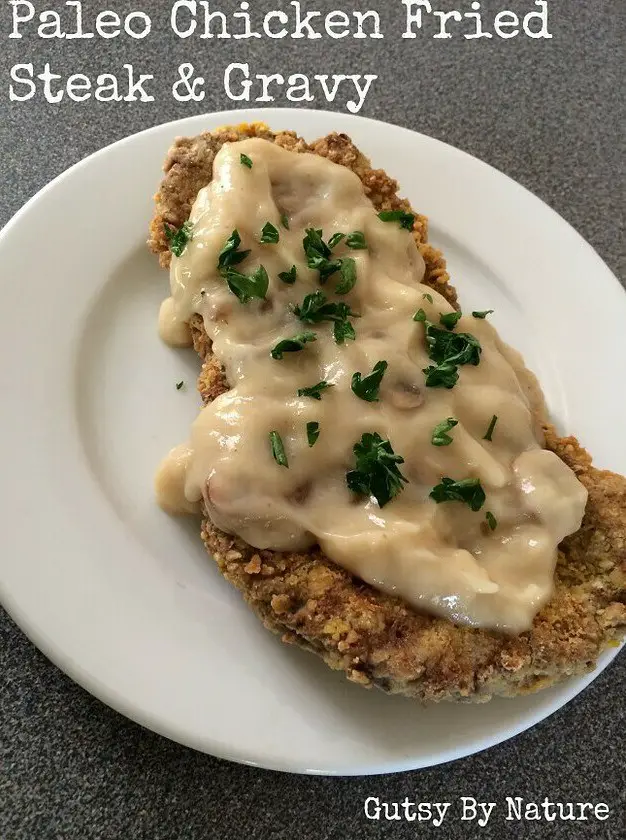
column 299, row 82
column 602, row 811
column 335, row 19
column 106, row 20
column 76, row 83
column 79, row 22
column 47, row 77
column 245, row 85
column 355, row 107
column 371, row 814
column 266, row 81
column 51, row 21
column 415, row 17
column 143, row 33
column 361, row 17
column 514, row 805
column 190, row 5
column 136, row 87
column 501, row 21
column 542, row 16
column 107, row 84
column 480, row 32
column 247, row 32
column 282, row 18
column 32, row 87
column 302, row 24
column 444, row 17
column 18, row 19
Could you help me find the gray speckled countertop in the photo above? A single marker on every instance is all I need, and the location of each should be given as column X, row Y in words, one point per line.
column 548, row 113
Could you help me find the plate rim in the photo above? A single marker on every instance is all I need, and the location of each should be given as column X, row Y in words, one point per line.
column 108, row 695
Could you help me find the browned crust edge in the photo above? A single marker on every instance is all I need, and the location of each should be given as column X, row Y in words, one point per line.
column 372, row 637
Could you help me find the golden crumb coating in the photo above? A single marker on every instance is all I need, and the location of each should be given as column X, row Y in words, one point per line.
column 374, row 638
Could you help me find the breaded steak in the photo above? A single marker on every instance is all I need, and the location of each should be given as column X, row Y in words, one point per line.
column 377, row 639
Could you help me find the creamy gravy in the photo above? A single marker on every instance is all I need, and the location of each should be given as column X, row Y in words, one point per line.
column 441, row 558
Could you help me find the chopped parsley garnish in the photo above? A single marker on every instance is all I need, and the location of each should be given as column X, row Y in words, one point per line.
column 492, row 426
column 440, row 436
column 312, row 432
column 469, row 491
column 348, row 276
column 284, row 220
column 245, row 160
column 449, row 350
column 482, row 314
column 247, row 286
column 316, row 308
column 179, row 385
column 428, row 297
column 450, row 319
column 491, row 520
column 244, row 286
column 318, row 254
column 230, row 254
column 178, row 239
column 343, row 331
column 335, row 239
column 367, row 387
column 315, row 391
column 289, row 277
column 269, row 234
column 406, row 220
column 293, row 344
column 278, row 450
column 376, row 471
column 356, row 241
column 441, row 376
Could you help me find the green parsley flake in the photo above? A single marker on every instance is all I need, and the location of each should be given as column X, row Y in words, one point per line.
column 318, row 254
column 367, row 387
column 348, row 276
column 284, row 220
column 230, row 255
column 289, row 277
column 439, row 436
column 449, row 350
column 491, row 520
column 178, row 239
column 356, row 241
column 429, row 298
column 245, row 160
column 315, row 391
column 482, row 314
column 469, row 491
column 406, row 220
column 450, row 319
column 179, row 385
column 376, row 471
column 492, row 426
column 269, row 234
column 335, row 239
column 247, row 286
column 312, row 432
column 278, row 450
column 293, row 344
column 316, row 308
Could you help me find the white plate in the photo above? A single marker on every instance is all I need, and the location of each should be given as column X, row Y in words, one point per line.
column 123, row 598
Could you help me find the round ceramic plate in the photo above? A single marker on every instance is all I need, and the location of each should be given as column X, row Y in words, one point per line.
column 122, row 597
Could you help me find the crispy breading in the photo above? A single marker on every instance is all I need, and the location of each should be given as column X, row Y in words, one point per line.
column 376, row 639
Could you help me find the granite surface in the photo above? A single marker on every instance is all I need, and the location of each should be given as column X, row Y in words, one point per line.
column 550, row 115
